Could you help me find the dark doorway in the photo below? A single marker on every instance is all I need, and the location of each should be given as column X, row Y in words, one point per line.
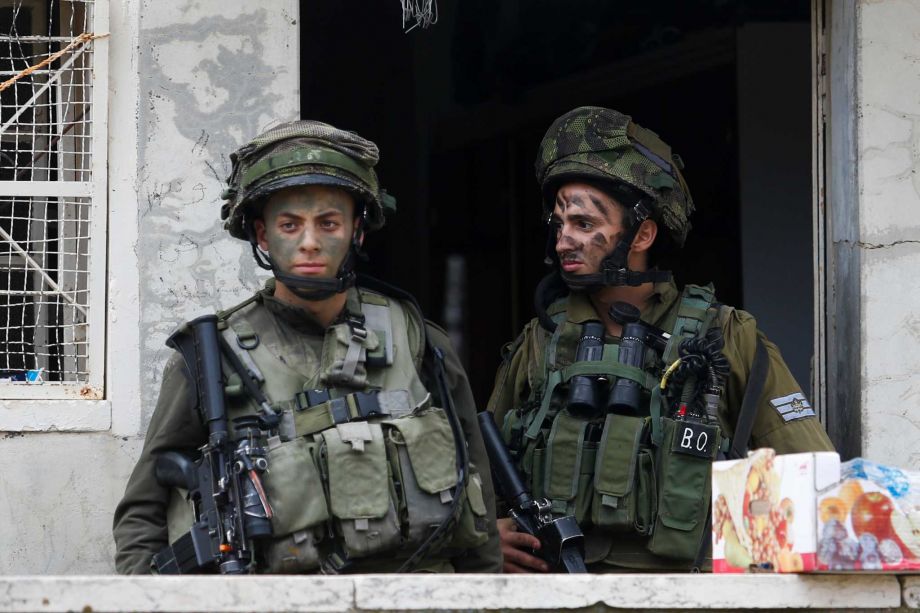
column 459, row 109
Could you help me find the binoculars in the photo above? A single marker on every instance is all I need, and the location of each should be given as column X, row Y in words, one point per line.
column 590, row 393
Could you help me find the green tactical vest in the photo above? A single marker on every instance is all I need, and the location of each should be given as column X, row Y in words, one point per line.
column 341, row 485
column 638, row 485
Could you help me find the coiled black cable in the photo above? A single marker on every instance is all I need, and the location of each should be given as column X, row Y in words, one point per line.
column 703, row 366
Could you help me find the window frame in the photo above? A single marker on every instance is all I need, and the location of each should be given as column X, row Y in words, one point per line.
column 96, row 190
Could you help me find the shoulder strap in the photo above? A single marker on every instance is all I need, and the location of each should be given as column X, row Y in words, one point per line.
column 377, row 317
column 742, row 434
column 692, row 313
column 223, row 315
column 391, row 296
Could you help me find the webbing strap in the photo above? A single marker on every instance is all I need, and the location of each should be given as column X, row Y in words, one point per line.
column 233, row 336
column 618, row 370
column 377, row 318
column 590, row 368
column 355, row 352
column 223, row 315
column 692, row 312
column 352, row 407
column 554, row 378
column 558, row 318
column 745, row 425
column 655, row 412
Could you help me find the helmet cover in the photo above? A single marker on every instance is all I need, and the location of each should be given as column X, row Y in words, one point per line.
column 302, row 153
column 603, row 144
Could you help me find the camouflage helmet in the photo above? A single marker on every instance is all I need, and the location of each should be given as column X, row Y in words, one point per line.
column 302, row 153
column 596, row 143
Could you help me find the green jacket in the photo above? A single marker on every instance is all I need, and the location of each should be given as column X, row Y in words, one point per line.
column 774, row 425
column 290, row 334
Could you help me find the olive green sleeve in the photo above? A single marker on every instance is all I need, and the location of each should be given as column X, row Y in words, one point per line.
column 512, row 381
column 487, row 558
column 140, row 518
column 790, row 434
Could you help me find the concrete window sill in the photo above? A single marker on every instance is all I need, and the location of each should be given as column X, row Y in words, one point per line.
column 55, row 415
column 101, row 594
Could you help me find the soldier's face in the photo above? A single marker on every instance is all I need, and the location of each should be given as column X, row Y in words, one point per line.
column 588, row 225
column 307, row 230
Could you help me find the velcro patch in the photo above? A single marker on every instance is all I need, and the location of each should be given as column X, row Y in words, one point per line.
column 693, row 438
column 793, row 406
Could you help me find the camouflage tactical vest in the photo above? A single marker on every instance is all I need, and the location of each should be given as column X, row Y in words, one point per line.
column 364, row 466
column 639, row 485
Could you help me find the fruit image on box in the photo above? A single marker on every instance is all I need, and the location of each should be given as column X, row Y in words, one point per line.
column 870, row 521
column 763, row 510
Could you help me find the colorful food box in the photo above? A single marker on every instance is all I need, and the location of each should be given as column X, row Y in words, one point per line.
column 806, row 512
column 864, row 525
column 764, row 510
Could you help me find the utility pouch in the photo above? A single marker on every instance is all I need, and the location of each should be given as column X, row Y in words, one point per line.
column 360, row 496
column 424, row 464
column 472, row 529
column 564, row 454
column 684, row 487
column 294, row 487
column 585, row 492
column 293, row 553
column 345, row 353
column 623, row 462
column 533, row 463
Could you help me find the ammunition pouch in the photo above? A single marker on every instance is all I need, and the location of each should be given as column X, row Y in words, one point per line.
column 625, row 493
column 684, row 488
column 362, row 488
column 625, row 484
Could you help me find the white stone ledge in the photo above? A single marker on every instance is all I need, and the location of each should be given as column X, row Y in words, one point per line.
column 55, row 415
column 267, row 594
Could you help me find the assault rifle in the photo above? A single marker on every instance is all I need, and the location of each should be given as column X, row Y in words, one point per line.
column 230, row 506
column 562, row 543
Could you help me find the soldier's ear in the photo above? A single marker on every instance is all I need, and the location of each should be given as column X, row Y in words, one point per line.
column 259, row 226
column 645, row 236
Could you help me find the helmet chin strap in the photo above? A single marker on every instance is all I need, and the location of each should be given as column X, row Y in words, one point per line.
column 614, row 271
column 311, row 288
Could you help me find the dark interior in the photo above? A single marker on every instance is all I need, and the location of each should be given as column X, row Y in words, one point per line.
column 459, row 109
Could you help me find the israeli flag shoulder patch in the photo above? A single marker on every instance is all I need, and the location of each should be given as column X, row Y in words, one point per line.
column 792, row 407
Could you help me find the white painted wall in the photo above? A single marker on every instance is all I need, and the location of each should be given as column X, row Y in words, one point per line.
column 888, row 134
column 189, row 82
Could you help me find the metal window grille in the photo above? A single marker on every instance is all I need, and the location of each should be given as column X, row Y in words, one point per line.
column 52, row 198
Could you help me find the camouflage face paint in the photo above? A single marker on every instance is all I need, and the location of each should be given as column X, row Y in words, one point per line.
column 600, row 240
column 586, row 233
column 308, row 230
column 602, row 208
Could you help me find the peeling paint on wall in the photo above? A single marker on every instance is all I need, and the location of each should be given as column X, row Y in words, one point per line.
column 207, row 85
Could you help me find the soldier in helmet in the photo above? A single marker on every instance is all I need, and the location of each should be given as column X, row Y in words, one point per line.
column 376, row 463
column 619, row 395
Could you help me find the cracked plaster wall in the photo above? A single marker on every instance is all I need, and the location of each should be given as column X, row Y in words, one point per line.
column 210, row 79
column 190, row 81
column 888, row 91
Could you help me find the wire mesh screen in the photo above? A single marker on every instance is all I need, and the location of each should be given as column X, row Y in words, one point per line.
column 46, row 112
column 46, row 76
column 44, row 297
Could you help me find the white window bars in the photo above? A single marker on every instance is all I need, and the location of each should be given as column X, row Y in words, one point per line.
column 52, row 198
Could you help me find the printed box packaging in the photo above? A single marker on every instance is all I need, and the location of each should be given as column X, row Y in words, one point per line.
column 863, row 526
column 793, row 513
column 764, row 510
